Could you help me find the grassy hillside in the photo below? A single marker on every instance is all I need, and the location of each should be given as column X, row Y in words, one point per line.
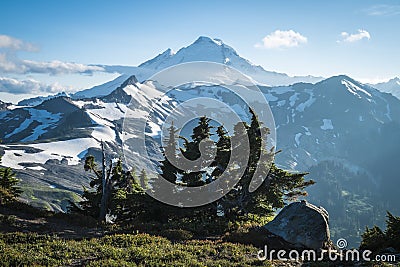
column 17, row 249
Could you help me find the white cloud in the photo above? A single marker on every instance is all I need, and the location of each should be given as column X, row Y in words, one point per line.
column 11, row 63
column 281, row 39
column 30, row 86
column 383, row 10
column 57, row 67
column 351, row 38
column 12, row 43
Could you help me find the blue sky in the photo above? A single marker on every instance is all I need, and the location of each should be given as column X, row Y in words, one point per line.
column 357, row 38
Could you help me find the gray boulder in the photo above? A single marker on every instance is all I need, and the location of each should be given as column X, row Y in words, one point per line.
column 302, row 225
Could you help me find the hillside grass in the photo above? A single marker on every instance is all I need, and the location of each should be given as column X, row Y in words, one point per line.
column 31, row 249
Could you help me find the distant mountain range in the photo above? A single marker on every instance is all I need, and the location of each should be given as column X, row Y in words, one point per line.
column 342, row 130
column 392, row 86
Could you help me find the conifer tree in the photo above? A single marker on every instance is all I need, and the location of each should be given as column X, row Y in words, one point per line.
column 393, row 230
column 376, row 240
column 168, row 171
column 122, row 198
column 9, row 189
column 222, row 157
column 277, row 186
column 144, row 180
column 373, row 239
column 200, row 137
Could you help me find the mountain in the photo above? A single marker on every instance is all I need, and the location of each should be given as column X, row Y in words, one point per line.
column 392, row 86
column 39, row 99
column 215, row 50
column 101, row 90
column 203, row 49
column 332, row 120
column 342, row 131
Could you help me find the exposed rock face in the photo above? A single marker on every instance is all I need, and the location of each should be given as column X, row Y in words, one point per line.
column 3, row 106
column 303, row 225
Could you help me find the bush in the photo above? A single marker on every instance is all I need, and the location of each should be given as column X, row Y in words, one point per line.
column 177, row 234
column 375, row 239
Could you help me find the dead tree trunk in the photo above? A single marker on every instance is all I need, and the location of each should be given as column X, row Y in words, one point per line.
column 105, row 189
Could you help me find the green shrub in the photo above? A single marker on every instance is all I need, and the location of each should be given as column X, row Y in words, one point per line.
column 375, row 239
column 177, row 234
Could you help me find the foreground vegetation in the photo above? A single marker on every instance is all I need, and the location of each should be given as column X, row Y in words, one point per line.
column 19, row 249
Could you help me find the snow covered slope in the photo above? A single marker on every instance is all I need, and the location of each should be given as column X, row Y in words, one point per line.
column 203, row 49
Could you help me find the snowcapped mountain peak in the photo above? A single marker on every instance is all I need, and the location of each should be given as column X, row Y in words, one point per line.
column 205, row 39
column 203, row 49
column 155, row 62
column 215, row 50
column 339, row 79
column 130, row 81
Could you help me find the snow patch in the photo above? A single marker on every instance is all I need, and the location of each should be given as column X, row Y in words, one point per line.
column 281, row 103
column 354, row 89
column 73, row 149
column 327, row 124
column 43, row 117
column 293, row 99
column 297, row 138
column 308, row 103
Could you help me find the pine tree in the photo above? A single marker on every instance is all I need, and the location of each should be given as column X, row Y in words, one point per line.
column 376, row 240
column 250, row 160
column 393, row 230
column 144, row 180
column 200, row 137
column 168, row 170
column 122, row 198
column 222, row 157
column 9, row 189
column 373, row 239
column 277, row 186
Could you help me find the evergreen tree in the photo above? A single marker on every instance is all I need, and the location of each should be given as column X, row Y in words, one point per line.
column 373, row 239
column 200, row 137
column 9, row 189
column 123, row 198
column 144, row 180
column 278, row 186
column 222, row 157
column 393, row 230
column 168, row 170
column 376, row 240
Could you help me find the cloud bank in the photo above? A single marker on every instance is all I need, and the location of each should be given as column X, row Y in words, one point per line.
column 383, row 10
column 12, row 43
column 282, row 39
column 351, row 38
column 30, row 86
column 11, row 63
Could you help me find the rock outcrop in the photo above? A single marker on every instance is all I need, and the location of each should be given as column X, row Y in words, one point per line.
column 303, row 225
